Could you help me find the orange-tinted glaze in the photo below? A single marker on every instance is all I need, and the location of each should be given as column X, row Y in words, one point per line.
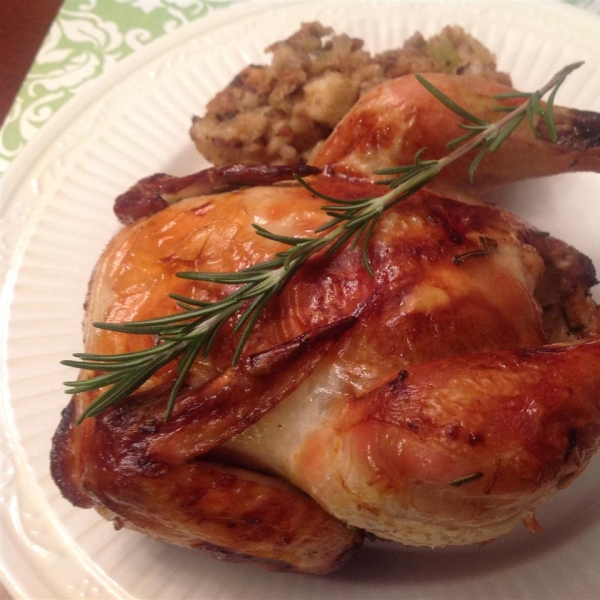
column 392, row 122
column 403, row 403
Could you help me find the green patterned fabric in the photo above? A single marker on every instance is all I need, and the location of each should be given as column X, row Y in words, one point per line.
column 592, row 4
column 86, row 38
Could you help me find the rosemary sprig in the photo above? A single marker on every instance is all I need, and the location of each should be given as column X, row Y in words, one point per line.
column 192, row 331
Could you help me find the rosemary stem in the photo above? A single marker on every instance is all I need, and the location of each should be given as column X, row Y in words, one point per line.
column 184, row 335
column 203, row 327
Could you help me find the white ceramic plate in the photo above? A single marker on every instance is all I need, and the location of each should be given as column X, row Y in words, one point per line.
column 57, row 216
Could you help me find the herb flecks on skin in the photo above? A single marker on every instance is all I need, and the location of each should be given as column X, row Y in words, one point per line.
column 488, row 245
column 466, row 479
column 192, row 332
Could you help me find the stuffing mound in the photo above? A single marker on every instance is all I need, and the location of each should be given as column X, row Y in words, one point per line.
column 278, row 113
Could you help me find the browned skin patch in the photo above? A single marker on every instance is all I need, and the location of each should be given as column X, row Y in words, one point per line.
column 418, row 307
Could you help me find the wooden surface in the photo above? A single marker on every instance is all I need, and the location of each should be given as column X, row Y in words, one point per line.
column 23, row 26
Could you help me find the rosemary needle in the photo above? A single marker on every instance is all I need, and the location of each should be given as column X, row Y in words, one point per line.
column 192, row 331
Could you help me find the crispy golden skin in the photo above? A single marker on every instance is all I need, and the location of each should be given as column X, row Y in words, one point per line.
column 392, row 122
column 422, row 305
column 437, row 402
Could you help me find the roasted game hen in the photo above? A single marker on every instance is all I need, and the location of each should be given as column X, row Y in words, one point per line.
column 435, row 402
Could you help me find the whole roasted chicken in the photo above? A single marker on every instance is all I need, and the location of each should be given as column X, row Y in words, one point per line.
column 434, row 398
